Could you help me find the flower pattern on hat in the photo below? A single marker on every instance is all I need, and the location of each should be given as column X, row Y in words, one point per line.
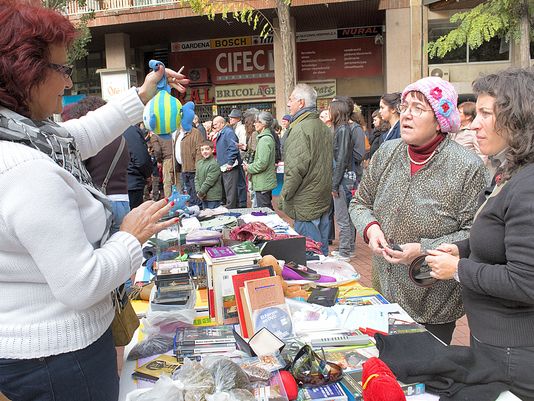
column 445, row 107
column 436, row 93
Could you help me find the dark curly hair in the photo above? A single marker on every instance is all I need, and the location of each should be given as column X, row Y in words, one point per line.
column 513, row 90
column 26, row 33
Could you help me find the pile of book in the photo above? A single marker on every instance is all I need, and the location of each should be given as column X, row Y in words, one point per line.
column 174, row 285
column 222, row 263
column 198, row 341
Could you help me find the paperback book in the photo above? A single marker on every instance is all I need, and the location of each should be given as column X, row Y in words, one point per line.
column 267, row 307
column 162, row 365
column 326, row 392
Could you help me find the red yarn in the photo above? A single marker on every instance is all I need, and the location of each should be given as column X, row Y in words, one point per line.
column 379, row 382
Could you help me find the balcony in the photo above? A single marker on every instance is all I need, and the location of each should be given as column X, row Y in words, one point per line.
column 72, row 8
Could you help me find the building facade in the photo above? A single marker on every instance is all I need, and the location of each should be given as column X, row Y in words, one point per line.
column 360, row 49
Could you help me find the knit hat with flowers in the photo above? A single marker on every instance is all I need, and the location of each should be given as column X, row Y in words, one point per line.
column 442, row 97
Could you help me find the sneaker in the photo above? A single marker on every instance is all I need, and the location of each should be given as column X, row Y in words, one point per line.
column 335, row 254
column 342, row 258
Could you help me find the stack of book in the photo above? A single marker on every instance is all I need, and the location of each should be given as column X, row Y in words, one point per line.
column 174, row 285
column 198, row 341
column 222, row 263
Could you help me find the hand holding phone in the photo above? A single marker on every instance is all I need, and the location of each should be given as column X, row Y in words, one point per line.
column 394, row 246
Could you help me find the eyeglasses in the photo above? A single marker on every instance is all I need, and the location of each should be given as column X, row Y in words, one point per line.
column 415, row 111
column 64, row 69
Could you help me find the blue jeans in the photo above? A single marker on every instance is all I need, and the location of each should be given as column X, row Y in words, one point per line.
column 317, row 230
column 119, row 209
column 347, row 232
column 210, row 204
column 85, row 375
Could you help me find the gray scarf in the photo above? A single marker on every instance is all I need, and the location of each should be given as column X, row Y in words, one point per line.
column 54, row 141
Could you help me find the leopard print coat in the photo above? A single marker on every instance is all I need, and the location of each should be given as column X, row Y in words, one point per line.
column 435, row 205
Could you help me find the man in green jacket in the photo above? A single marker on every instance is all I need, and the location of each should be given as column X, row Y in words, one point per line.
column 308, row 158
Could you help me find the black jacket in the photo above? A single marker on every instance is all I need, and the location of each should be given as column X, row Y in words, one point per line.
column 140, row 165
column 497, row 266
column 342, row 154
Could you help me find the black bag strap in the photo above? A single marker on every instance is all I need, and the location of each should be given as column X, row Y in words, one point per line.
column 113, row 164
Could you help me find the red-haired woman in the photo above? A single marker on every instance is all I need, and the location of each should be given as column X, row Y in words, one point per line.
column 58, row 266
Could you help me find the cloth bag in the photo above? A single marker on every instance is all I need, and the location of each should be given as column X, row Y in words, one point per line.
column 125, row 321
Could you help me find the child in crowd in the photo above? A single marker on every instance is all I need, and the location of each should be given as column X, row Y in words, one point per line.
column 208, row 178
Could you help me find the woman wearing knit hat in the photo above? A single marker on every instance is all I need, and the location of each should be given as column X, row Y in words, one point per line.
column 495, row 266
column 419, row 191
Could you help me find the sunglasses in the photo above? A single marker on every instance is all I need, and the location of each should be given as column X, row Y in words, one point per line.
column 311, row 370
column 64, row 69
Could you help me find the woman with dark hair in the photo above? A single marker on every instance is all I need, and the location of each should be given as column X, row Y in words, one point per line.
column 495, row 265
column 389, row 111
column 58, row 263
column 340, row 113
column 262, row 170
column 114, row 185
column 379, row 128
column 419, row 192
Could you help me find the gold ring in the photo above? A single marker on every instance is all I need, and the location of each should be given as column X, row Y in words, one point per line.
column 173, row 79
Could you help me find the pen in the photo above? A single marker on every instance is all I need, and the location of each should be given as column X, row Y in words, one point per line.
column 371, row 332
column 181, row 69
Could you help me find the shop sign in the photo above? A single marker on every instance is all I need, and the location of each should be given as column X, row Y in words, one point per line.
column 114, row 83
column 359, row 32
column 245, row 93
column 248, row 64
column 220, row 43
column 314, row 36
column 198, row 95
column 190, row 46
column 348, row 58
column 231, row 42
column 324, row 89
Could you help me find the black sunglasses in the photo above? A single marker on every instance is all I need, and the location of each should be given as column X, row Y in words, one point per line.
column 64, row 69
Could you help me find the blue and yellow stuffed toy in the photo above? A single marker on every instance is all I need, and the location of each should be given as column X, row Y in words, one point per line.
column 164, row 113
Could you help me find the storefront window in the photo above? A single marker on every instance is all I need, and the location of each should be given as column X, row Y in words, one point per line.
column 496, row 49
column 85, row 79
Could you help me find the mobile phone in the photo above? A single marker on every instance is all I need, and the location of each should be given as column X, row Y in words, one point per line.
column 394, row 246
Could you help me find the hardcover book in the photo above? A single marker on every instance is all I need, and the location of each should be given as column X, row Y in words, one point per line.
column 238, row 281
column 224, row 293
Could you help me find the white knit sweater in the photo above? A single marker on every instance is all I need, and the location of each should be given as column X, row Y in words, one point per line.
column 55, row 286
